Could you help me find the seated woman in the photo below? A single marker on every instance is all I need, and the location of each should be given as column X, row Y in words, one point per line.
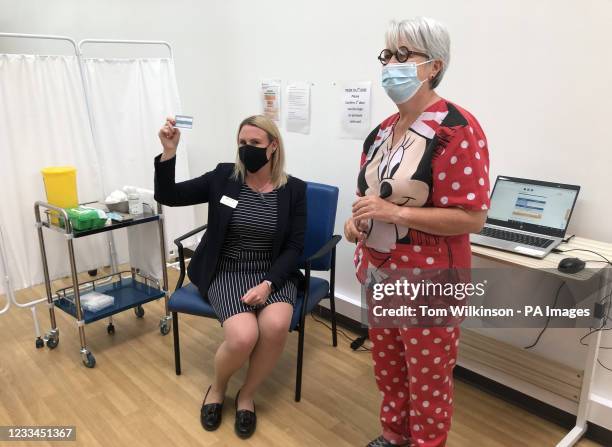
column 246, row 263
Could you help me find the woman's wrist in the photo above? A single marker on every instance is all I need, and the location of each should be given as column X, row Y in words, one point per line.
column 402, row 216
column 269, row 284
column 167, row 154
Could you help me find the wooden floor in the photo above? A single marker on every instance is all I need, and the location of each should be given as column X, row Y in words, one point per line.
column 133, row 397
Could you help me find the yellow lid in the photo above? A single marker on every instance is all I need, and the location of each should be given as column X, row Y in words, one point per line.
column 58, row 170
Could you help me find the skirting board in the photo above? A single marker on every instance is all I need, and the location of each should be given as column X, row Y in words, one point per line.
column 541, row 409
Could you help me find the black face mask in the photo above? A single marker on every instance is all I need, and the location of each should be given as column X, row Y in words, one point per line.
column 253, row 157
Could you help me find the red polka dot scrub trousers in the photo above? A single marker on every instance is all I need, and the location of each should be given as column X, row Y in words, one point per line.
column 414, row 373
column 413, row 365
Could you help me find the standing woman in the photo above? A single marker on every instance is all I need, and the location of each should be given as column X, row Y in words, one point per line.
column 246, row 263
column 423, row 187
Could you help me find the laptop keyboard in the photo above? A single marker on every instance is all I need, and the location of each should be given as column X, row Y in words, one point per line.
column 519, row 238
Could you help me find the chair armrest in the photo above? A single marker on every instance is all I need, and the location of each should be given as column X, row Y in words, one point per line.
column 329, row 245
column 191, row 233
column 181, row 254
column 324, row 250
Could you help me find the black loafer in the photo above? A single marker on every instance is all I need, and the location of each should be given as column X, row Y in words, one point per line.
column 382, row 442
column 246, row 421
column 210, row 414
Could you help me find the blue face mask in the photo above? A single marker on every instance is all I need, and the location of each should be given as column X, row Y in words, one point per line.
column 400, row 81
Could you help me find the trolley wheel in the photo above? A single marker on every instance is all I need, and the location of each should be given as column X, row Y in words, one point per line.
column 52, row 343
column 40, row 343
column 110, row 329
column 139, row 311
column 90, row 360
column 164, row 327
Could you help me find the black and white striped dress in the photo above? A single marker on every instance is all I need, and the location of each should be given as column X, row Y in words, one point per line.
column 246, row 255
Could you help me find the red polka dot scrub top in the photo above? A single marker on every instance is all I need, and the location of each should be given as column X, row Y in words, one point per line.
column 441, row 161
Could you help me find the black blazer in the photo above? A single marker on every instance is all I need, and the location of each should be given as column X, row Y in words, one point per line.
column 210, row 188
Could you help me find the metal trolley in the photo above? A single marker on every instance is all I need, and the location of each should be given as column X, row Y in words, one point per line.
column 129, row 292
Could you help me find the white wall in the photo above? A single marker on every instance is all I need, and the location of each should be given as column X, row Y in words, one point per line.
column 535, row 74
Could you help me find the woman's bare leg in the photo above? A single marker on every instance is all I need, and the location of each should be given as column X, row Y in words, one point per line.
column 273, row 321
column 241, row 333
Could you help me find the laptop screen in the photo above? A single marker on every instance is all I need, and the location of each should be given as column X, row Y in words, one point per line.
column 531, row 205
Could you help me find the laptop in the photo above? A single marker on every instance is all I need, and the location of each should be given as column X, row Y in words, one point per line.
column 528, row 217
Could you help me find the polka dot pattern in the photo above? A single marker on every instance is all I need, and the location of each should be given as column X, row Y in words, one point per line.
column 460, row 175
column 416, row 387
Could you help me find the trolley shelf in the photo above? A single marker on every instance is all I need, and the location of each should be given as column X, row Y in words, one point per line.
column 127, row 293
column 139, row 219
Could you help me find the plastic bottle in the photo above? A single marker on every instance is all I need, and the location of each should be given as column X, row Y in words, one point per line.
column 135, row 204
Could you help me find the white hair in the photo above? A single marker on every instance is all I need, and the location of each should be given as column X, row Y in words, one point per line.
column 425, row 35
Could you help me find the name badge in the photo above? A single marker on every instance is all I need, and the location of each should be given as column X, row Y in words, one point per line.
column 229, row 201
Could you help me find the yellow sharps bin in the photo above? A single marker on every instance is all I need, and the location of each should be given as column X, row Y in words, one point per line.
column 61, row 187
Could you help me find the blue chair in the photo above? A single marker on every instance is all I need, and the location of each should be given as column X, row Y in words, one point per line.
column 319, row 255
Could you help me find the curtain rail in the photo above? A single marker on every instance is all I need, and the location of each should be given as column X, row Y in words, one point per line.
column 125, row 42
column 43, row 37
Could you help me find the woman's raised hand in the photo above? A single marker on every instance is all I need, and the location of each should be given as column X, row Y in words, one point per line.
column 169, row 137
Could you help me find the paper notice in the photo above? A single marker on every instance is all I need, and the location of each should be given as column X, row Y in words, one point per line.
column 270, row 96
column 355, row 103
column 298, row 107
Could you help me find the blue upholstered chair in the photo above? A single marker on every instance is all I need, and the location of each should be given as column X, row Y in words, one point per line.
column 319, row 255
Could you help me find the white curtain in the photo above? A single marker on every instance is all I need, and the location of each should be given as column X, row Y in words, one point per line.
column 44, row 122
column 130, row 100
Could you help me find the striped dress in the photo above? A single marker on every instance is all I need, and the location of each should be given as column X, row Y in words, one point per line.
column 246, row 255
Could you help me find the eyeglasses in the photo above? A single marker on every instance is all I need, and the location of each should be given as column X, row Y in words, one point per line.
column 402, row 55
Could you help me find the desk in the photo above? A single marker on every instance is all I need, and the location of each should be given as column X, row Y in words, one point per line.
column 549, row 263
